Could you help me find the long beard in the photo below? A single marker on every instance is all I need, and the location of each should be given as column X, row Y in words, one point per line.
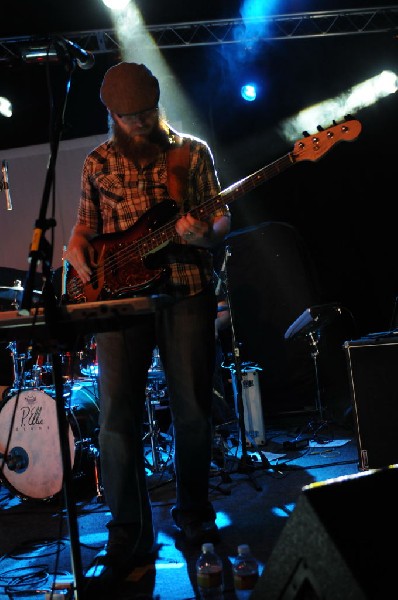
column 143, row 148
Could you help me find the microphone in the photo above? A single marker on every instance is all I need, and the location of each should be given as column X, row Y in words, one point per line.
column 6, row 185
column 84, row 59
column 17, row 459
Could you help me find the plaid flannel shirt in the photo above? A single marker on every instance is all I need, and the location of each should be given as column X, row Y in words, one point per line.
column 115, row 193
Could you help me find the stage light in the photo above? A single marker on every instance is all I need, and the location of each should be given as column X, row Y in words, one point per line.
column 116, row 4
column 5, row 107
column 349, row 102
column 248, row 92
column 39, row 54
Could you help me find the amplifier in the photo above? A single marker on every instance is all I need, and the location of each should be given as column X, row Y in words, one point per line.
column 373, row 379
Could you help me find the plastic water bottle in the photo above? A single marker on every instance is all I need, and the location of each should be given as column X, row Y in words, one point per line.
column 245, row 572
column 209, row 574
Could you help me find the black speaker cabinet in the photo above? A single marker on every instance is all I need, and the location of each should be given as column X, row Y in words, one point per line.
column 373, row 379
column 338, row 543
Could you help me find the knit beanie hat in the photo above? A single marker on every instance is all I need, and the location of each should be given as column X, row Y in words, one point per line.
column 129, row 88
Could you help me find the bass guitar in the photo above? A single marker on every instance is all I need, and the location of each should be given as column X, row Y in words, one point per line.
column 123, row 258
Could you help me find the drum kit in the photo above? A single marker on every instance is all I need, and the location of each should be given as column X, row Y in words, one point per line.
column 30, row 454
column 30, row 451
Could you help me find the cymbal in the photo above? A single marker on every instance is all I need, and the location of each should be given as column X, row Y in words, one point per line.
column 10, row 292
column 13, row 288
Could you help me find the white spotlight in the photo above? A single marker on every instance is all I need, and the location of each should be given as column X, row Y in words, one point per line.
column 5, row 107
column 116, row 4
column 349, row 102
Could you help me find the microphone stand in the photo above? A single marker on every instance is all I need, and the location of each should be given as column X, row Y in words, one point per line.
column 246, row 464
column 41, row 252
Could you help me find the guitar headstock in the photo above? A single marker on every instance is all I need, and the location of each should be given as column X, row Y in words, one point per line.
column 313, row 147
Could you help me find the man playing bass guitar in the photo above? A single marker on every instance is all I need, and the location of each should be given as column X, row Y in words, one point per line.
column 126, row 185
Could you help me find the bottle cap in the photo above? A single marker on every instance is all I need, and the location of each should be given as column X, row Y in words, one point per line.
column 207, row 547
column 243, row 549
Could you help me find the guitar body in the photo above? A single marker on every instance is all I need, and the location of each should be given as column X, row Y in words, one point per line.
column 117, row 278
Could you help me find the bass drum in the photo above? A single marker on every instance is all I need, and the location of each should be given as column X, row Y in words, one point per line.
column 29, row 425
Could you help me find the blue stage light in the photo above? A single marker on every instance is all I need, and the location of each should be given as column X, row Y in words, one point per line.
column 248, row 92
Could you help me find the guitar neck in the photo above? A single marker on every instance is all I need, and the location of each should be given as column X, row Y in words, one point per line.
column 218, row 202
column 311, row 147
column 244, row 186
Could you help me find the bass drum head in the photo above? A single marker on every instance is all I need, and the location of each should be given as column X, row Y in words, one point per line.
column 34, row 468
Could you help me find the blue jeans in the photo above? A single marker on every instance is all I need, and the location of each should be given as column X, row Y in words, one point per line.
column 184, row 334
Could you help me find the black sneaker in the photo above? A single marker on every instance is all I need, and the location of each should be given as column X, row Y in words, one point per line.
column 197, row 528
column 199, row 532
column 121, row 553
column 109, row 574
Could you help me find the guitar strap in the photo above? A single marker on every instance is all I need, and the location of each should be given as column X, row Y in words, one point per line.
column 177, row 170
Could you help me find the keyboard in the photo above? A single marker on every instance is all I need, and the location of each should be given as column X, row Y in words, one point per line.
column 71, row 320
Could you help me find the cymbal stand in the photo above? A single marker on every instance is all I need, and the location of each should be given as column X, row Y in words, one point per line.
column 220, row 444
column 152, row 396
column 246, row 464
column 314, row 426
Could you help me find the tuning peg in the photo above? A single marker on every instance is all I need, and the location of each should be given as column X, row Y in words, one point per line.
column 348, row 117
column 306, row 134
column 319, row 128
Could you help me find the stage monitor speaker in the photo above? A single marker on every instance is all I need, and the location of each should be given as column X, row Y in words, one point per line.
column 373, row 377
column 338, row 544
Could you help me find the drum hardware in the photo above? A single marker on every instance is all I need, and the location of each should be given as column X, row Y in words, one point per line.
column 46, row 375
column 154, row 399
column 38, row 372
column 154, row 396
column 20, row 360
column 154, row 434
column 88, row 359
column 97, row 475
column 218, row 466
column 156, row 369
column 85, row 448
